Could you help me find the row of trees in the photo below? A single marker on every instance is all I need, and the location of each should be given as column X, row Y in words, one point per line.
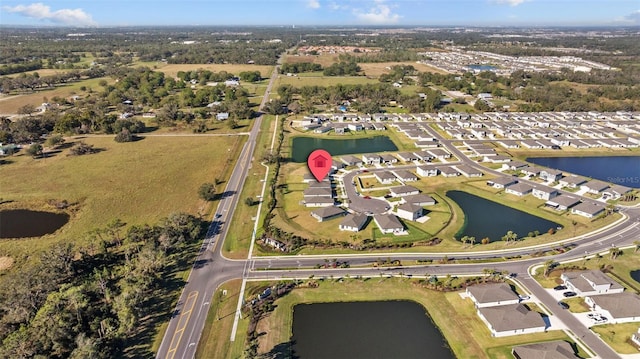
column 89, row 302
column 298, row 67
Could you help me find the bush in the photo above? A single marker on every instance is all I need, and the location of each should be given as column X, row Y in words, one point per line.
column 124, row 136
column 207, row 191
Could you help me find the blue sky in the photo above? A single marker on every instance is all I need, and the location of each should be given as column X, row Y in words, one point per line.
column 320, row 12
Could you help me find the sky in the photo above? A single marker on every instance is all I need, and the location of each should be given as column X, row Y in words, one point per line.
column 104, row 13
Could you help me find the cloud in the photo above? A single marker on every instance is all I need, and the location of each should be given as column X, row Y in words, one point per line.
column 41, row 11
column 509, row 2
column 313, row 4
column 380, row 13
column 633, row 18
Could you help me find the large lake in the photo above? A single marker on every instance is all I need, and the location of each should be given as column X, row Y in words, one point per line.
column 484, row 218
column 394, row 329
column 623, row 170
column 303, row 146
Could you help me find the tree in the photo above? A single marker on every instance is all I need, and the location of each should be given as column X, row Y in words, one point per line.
column 82, row 148
column 207, row 191
column 35, row 150
column 54, row 141
column 124, row 136
column 548, row 267
column 615, row 252
column 27, row 109
column 249, row 201
column 636, row 246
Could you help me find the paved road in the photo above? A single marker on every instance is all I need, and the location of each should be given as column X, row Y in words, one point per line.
column 210, row 268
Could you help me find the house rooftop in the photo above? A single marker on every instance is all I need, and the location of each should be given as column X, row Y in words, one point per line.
column 326, row 212
column 489, row 293
column 582, row 280
column 388, row 221
column 354, row 220
column 620, row 305
column 558, row 349
column 511, row 317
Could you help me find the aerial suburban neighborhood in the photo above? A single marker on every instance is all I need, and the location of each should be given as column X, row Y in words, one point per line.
column 314, row 179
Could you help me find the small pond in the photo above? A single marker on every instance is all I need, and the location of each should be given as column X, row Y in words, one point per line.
column 393, row 329
column 484, row 218
column 21, row 223
column 622, row 170
column 303, row 146
column 635, row 275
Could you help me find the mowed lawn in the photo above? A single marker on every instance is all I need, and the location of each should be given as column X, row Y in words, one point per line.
column 137, row 182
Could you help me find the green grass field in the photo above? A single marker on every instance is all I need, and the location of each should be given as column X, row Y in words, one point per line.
column 618, row 336
column 138, row 182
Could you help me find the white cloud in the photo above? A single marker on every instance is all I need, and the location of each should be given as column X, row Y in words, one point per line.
column 313, row 4
column 509, row 2
column 41, row 11
column 380, row 13
column 633, row 18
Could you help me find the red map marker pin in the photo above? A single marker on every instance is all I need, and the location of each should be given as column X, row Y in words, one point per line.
column 319, row 162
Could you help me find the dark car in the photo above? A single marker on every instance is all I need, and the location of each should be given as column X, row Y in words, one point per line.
column 559, row 287
column 563, row 305
column 569, row 294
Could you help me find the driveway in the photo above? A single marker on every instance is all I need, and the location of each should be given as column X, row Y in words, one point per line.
column 359, row 203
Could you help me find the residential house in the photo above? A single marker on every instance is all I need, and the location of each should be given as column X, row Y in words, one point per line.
column 355, row 126
column 354, row 222
column 563, row 202
column 497, row 159
column 409, row 211
column 371, row 159
column 402, row 191
column 489, row 295
column 313, row 201
column 591, row 282
column 572, row 181
column 448, row 171
column 318, row 191
column 558, row 349
column 514, row 166
column 221, row 116
column 427, row 171
column 327, row 213
column 389, row 224
column 419, row 199
column 388, row 159
column 587, row 209
column 519, row 189
column 550, row 175
column 407, row 156
column 617, row 191
column 384, row 177
column 594, row 187
column 501, row 182
column 619, row 307
column 544, row 192
column 530, row 171
column 469, row 171
column 514, row 319
column 636, row 338
column 425, row 156
column 336, row 165
column 405, row 176
column 350, row 160
column 439, row 153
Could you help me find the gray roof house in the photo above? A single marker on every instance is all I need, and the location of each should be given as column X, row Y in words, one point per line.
column 489, row 295
column 353, row 222
column 350, row 160
column 617, row 191
column 501, row 182
column 514, row 319
column 419, row 199
column 402, row 191
column 550, row 175
column 326, row 213
column 558, row 349
column 519, row 189
column 595, row 186
column 384, row 177
column 448, row 171
column 544, row 192
column 409, row 211
column 405, row 176
column 587, row 209
column 427, row 171
column 318, row 192
column 618, row 307
column 592, row 282
column 314, row 201
column 387, row 158
column 371, row 158
column 469, row 171
column 563, row 202
column 388, row 223
column 407, row 156
column 572, row 181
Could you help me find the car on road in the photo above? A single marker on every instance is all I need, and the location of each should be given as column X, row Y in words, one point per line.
column 524, row 297
column 367, row 197
column 569, row 294
column 563, row 305
column 559, row 287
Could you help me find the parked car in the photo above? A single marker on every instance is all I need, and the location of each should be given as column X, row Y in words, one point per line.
column 563, row 305
column 569, row 294
column 559, row 287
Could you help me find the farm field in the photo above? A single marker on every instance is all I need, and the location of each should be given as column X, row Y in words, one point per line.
column 138, row 183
